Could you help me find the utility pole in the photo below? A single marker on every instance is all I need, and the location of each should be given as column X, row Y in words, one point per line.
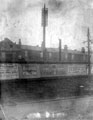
column 89, row 64
column 59, row 50
column 44, row 24
column 89, row 55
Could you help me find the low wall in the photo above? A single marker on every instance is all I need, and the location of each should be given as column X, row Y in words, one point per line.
column 22, row 71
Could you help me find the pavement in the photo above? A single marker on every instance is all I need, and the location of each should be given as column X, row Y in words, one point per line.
column 70, row 108
column 45, row 100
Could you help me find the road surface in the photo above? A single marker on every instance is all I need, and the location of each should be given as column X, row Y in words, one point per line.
column 45, row 100
column 69, row 108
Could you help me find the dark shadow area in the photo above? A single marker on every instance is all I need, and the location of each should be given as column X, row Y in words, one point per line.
column 41, row 89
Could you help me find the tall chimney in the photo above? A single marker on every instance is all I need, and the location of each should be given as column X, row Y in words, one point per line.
column 59, row 50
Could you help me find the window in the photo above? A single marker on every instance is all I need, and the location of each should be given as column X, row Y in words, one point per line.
column 72, row 57
column 84, row 57
column 9, row 57
column 69, row 56
column 41, row 54
column 11, row 46
column 50, row 54
column 26, row 53
column 3, row 56
column 66, row 56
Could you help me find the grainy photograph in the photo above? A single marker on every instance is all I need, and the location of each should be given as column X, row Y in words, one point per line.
column 46, row 59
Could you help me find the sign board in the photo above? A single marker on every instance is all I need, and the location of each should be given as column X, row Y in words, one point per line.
column 30, row 70
column 12, row 71
column 49, row 70
column 76, row 69
column 61, row 70
column 8, row 71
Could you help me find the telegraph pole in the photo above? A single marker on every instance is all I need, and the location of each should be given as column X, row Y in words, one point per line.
column 59, row 50
column 44, row 24
column 89, row 64
column 89, row 55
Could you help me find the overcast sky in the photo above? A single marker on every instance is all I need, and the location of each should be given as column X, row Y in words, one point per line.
column 67, row 20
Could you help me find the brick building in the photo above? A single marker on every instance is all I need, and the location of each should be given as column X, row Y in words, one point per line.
column 12, row 52
column 9, row 51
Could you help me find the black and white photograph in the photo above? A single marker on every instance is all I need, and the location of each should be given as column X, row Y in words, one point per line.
column 46, row 59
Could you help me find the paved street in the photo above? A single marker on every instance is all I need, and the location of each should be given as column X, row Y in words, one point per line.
column 71, row 108
column 41, row 89
column 45, row 99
